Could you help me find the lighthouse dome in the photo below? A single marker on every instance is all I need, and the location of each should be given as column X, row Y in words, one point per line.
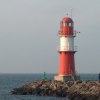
column 67, row 20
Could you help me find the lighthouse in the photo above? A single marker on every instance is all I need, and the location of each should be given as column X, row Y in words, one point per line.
column 66, row 51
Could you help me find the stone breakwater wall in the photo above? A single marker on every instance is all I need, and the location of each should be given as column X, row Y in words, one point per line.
column 75, row 90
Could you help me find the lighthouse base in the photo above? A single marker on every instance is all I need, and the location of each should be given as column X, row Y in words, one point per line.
column 66, row 78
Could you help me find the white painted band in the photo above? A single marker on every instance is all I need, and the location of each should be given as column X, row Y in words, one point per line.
column 66, row 43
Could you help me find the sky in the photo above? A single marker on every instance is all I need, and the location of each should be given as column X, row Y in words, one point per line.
column 29, row 40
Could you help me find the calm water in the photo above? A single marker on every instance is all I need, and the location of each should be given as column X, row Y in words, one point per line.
column 10, row 81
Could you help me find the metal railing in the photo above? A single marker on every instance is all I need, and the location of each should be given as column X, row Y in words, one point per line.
column 74, row 34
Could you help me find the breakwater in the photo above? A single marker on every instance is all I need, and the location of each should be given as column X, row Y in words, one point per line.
column 75, row 90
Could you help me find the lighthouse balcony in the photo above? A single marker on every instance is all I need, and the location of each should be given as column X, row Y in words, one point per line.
column 67, row 48
column 60, row 33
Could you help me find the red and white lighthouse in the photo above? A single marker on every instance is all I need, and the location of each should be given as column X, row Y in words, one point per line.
column 66, row 50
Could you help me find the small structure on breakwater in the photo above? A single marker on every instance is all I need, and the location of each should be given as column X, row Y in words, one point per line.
column 75, row 90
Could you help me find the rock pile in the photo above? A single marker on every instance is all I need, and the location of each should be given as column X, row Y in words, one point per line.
column 75, row 90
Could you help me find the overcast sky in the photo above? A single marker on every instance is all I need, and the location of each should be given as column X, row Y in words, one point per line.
column 28, row 35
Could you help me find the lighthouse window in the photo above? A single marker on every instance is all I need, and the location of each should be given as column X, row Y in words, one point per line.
column 70, row 24
column 64, row 24
column 67, row 24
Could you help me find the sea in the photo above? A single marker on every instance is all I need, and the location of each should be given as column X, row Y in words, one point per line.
column 10, row 81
